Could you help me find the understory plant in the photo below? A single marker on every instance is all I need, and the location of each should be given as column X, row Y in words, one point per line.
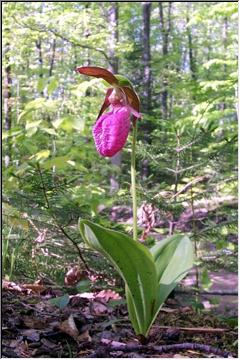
column 149, row 274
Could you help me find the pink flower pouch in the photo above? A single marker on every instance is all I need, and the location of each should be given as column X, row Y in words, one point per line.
column 111, row 130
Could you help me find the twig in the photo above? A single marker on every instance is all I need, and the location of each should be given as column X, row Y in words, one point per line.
column 193, row 182
column 189, row 290
column 109, row 346
column 194, row 329
column 76, row 246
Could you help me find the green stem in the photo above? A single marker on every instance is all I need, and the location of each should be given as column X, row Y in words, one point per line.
column 133, row 180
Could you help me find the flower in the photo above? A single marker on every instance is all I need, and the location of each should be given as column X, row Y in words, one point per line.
column 111, row 130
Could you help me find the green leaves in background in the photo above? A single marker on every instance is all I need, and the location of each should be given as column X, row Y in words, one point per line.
column 149, row 276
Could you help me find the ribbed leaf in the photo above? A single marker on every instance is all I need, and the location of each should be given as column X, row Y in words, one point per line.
column 173, row 258
column 134, row 263
column 149, row 276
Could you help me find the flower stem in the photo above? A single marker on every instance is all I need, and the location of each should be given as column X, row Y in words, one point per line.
column 133, row 180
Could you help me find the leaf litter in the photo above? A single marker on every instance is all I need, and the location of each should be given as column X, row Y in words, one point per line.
column 95, row 324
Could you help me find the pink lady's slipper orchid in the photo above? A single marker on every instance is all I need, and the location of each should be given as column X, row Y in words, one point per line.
column 111, row 129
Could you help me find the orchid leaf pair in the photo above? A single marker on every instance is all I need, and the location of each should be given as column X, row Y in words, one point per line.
column 149, row 275
column 111, row 130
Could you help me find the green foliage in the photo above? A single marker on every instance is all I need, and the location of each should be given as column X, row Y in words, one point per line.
column 52, row 111
column 149, row 278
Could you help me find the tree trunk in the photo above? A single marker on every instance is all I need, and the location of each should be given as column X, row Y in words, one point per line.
column 225, row 37
column 165, row 30
column 87, row 33
column 7, row 106
column 146, row 58
column 52, row 57
column 113, row 28
column 114, row 64
column 192, row 62
column 40, row 61
column 147, row 76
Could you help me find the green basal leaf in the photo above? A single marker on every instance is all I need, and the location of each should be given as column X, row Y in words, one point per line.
column 134, row 263
column 173, row 258
column 149, row 276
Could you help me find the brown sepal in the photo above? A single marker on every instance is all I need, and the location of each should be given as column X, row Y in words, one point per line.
column 98, row 72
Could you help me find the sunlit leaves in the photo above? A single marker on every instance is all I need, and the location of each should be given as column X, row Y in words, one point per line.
column 82, row 87
column 41, row 155
column 52, row 86
column 69, row 123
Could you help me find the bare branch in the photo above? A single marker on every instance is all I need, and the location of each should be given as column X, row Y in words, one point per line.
column 109, row 346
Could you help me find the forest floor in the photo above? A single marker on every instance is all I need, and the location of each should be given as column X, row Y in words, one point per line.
column 96, row 325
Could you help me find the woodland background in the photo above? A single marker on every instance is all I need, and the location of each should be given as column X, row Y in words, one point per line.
column 182, row 59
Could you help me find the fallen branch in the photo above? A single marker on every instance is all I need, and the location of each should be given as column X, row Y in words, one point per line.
column 191, row 290
column 109, row 346
column 193, row 329
column 189, row 185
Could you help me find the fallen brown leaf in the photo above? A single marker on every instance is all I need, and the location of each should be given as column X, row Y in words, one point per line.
column 36, row 288
column 84, row 337
column 74, row 275
column 69, row 327
column 10, row 285
column 34, row 323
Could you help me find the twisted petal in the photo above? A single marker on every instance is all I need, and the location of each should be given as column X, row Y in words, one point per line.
column 111, row 130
